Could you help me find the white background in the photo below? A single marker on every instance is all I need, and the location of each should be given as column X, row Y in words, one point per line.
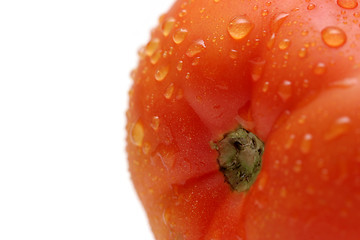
column 64, row 77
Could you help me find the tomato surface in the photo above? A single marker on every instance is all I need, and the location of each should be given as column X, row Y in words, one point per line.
column 286, row 71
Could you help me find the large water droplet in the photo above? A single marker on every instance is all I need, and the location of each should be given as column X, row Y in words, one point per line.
column 271, row 42
column 152, row 46
column 278, row 21
column 333, row 37
column 167, row 26
column 284, row 44
column 319, row 69
column 338, row 128
column 240, row 27
column 155, row 57
column 195, row 48
column 285, row 90
column 137, row 134
column 348, row 4
column 169, row 91
column 180, row 35
column 161, row 72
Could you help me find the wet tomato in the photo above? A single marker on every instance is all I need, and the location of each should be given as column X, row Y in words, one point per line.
column 244, row 121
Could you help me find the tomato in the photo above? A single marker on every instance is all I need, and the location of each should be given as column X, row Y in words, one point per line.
column 286, row 73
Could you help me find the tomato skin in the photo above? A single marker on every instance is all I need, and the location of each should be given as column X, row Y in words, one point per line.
column 284, row 81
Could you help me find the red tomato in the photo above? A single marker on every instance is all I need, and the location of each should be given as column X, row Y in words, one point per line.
column 287, row 72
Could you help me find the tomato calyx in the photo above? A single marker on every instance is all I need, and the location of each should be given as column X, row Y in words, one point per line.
column 240, row 158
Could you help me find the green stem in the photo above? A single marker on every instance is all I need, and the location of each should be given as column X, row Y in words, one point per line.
column 240, row 153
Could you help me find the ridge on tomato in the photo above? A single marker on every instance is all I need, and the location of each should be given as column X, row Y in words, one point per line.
column 285, row 73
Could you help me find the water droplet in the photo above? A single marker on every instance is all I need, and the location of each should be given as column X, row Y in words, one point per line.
column 304, row 32
column 169, row 91
column 319, row 69
column 311, row 6
column 195, row 48
column 161, row 72
column 284, row 44
column 180, row 35
column 278, row 21
column 195, row 61
column 271, row 42
column 305, row 145
column 302, row 53
column 179, row 65
column 137, row 134
column 257, row 67
column 290, row 141
column 302, row 119
column 264, row 12
column 348, row 4
column 240, row 27
column 266, row 86
column 182, row 13
column 268, row 3
column 155, row 123
column 285, row 90
column 167, row 26
column 297, row 167
column 256, row 7
column 338, row 128
column 155, row 57
column 146, row 148
column 187, row 75
column 152, row 46
column 233, row 54
column 333, row 37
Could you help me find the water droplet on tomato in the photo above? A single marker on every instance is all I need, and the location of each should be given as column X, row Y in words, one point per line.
column 180, row 35
column 338, row 128
column 195, row 48
column 319, row 69
column 305, row 145
column 137, row 134
column 161, row 72
column 179, row 65
column 152, row 46
column 155, row 57
column 146, row 148
column 182, row 13
column 311, row 6
column 257, row 67
column 284, row 44
column 290, row 141
column 169, row 91
column 271, row 42
column 333, row 37
column 264, row 12
column 285, row 90
column 268, row 3
column 266, row 86
column 195, row 61
column 167, row 26
column 297, row 167
column 155, row 123
column 302, row 53
column 240, row 27
column 348, row 4
column 278, row 21
column 233, row 54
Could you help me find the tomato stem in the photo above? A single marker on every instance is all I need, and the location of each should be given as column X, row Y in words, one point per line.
column 240, row 158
